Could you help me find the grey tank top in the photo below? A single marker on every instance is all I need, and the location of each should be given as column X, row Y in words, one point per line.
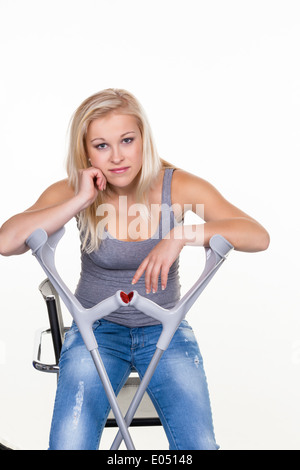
column 112, row 266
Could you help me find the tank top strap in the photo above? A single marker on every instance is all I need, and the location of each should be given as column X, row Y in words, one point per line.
column 166, row 189
column 167, row 216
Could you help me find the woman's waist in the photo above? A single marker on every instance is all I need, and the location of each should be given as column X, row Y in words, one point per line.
column 96, row 273
column 90, row 291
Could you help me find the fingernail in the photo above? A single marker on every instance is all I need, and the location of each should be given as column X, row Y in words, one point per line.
column 153, row 291
column 163, row 287
column 147, row 291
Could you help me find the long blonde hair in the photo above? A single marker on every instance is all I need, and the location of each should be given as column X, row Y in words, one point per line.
column 94, row 107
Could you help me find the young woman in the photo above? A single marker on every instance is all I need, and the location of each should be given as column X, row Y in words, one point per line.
column 129, row 205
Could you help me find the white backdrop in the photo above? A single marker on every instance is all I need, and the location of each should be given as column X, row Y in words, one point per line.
column 220, row 82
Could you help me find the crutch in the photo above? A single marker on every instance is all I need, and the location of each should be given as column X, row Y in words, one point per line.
column 43, row 248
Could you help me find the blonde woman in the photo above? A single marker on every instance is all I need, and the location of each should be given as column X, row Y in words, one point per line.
column 129, row 205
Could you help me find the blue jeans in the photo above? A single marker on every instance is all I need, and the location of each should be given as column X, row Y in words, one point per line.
column 178, row 387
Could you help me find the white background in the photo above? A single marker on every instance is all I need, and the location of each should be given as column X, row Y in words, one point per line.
column 220, row 81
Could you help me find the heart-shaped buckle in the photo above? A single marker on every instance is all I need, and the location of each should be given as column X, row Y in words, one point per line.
column 126, row 297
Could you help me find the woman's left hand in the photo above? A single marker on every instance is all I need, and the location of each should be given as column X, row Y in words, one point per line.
column 159, row 261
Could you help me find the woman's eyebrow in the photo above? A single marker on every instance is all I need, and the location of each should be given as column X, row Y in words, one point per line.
column 101, row 138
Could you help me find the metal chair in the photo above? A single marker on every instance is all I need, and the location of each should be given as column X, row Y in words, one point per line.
column 146, row 414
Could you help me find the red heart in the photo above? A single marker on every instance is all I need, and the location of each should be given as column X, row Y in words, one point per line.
column 126, row 298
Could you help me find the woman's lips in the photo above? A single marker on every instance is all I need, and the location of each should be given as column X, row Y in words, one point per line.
column 120, row 170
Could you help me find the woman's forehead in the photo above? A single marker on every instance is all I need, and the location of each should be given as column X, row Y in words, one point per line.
column 112, row 125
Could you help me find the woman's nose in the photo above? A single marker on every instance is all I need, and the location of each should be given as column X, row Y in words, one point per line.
column 116, row 155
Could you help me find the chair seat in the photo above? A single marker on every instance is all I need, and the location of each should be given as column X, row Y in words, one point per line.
column 145, row 415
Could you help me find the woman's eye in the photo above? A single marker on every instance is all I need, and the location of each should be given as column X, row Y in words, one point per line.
column 101, row 146
column 128, row 140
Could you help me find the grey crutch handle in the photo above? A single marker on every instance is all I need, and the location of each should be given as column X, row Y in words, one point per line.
column 43, row 248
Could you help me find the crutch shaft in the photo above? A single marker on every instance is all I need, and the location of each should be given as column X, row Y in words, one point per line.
column 111, row 398
column 138, row 396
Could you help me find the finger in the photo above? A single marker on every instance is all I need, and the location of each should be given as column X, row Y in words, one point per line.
column 148, row 274
column 95, row 172
column 101, row 182
column 104, row 182
column 164, row 276
column 154, row 277
column 139, row 272
column 103, row 185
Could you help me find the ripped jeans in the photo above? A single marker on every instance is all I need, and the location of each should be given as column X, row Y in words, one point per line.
column 178, row 388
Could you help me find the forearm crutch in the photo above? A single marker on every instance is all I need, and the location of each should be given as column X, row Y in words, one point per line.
column 43, row 248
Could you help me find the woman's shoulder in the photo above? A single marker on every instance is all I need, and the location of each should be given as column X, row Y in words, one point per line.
column 183, row 177
column 188, row 188
column 183, row 183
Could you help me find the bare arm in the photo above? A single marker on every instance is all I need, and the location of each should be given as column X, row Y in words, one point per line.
column 220, row 216
column 55, row 207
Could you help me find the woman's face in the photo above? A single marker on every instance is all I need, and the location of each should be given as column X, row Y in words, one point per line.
column 114, row 145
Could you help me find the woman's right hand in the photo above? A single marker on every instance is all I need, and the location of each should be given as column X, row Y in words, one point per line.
column 55, row 207
column 91, row 180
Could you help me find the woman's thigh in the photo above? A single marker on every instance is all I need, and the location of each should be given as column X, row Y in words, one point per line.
column 81, row 406
column 180, row 394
